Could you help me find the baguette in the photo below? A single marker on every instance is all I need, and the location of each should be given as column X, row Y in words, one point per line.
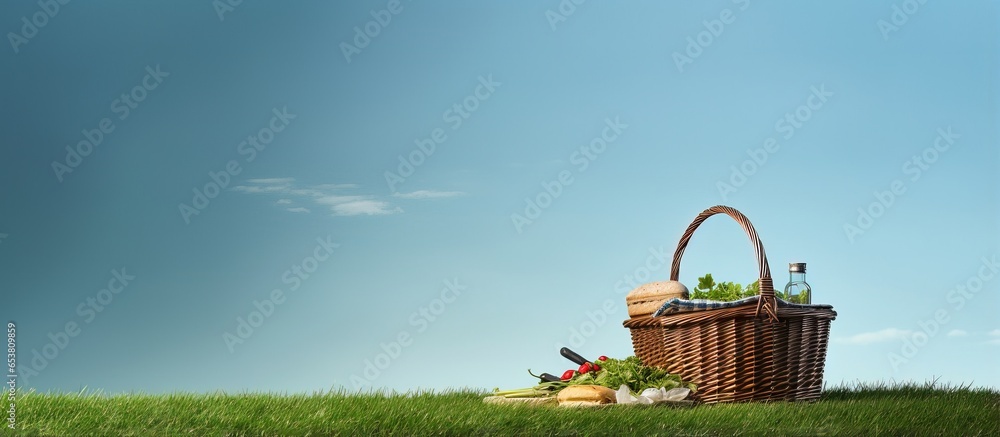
column 585, row 396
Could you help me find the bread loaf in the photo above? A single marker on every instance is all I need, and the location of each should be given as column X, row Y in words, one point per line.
column 585, row 396
column 647, row 298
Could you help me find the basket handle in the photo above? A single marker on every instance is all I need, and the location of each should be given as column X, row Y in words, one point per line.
column 767, row 302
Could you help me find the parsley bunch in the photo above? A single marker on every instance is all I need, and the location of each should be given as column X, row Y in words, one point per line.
column 723, row 291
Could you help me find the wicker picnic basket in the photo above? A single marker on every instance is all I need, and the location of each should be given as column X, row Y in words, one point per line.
column 753, row 352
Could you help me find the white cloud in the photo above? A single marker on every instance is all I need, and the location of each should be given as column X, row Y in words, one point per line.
column 995, row 333
column 356, row 205
column 428, row 194
column 884, row 335
column 364, row 207
column 303, row 192
column 957, row 333
column 335, row 186
column 272, row 181
column 325, row 196
column 336, row 198
column 254, row 189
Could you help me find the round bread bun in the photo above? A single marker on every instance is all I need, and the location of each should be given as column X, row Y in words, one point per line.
column 585, row 396
column 647, row 298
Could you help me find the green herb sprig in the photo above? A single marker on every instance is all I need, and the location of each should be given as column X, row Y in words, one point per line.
column 723, row 291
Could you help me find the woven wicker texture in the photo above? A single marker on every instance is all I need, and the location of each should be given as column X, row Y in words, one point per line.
column 747, row 353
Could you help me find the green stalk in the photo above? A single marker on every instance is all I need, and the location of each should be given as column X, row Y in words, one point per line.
column 523, row 393
column 542, row 390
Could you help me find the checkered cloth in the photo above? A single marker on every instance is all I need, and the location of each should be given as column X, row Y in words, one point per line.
column 678, row 305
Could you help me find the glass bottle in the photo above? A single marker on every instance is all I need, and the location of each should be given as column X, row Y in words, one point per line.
column 797, row 290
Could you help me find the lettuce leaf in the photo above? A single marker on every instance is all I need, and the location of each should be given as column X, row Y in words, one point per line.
column 634, row 374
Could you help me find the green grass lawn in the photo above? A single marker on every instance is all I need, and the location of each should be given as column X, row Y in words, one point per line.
column 855, row 411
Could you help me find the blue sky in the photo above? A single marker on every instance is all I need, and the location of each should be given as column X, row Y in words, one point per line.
column 443, row 202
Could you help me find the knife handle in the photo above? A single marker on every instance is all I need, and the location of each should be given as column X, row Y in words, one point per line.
column 572, row 356
column 545, row 377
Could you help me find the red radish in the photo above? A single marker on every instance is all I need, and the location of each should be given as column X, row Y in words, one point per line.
column 585, row 367
column 597, row 368
column 602, row 358
column 568, row 375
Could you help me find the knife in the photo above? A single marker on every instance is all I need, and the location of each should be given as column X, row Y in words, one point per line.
column 545, row 377
column 573, row 356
